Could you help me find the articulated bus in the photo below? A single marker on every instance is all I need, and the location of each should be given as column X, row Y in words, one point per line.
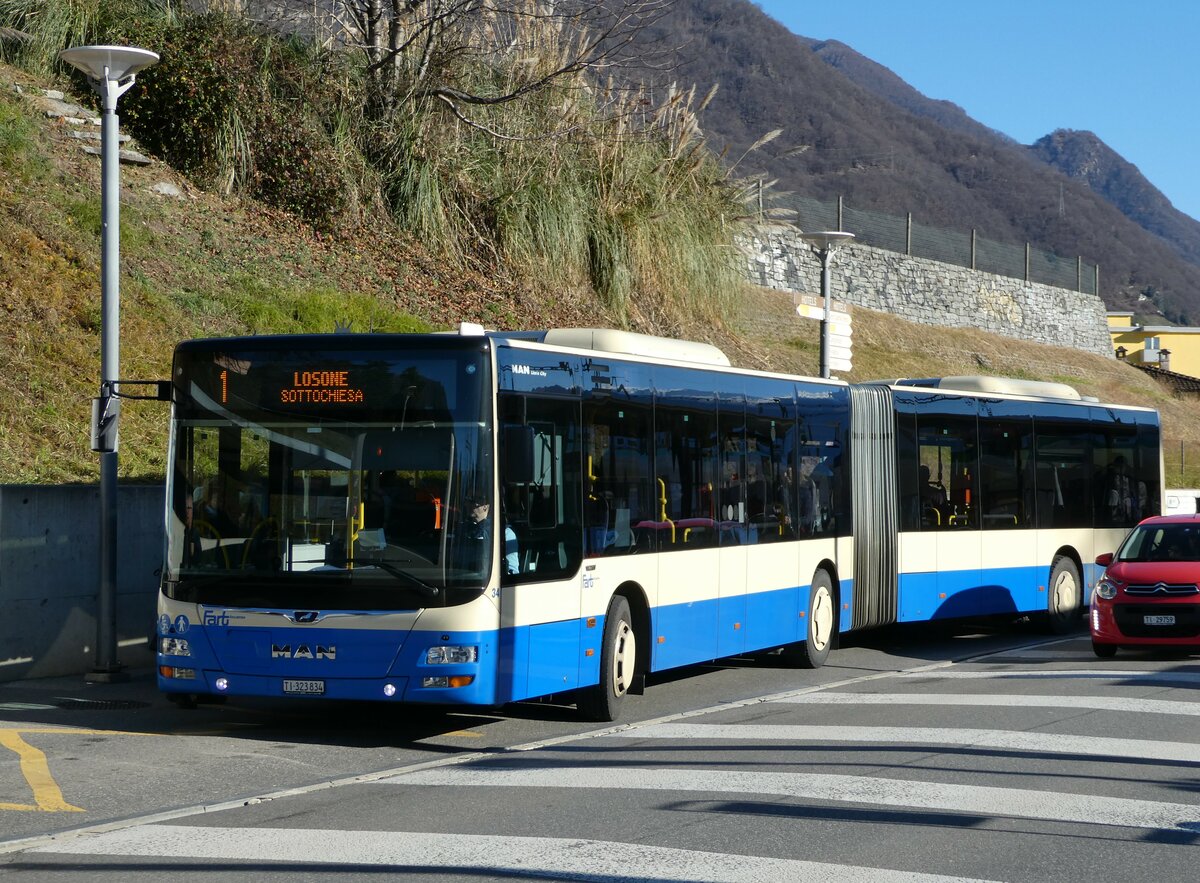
column 485, row 517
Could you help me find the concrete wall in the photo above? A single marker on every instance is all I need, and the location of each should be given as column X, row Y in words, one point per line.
column 931, row 292
column 50, row 576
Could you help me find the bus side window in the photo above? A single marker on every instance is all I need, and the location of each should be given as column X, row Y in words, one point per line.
column 541, row 492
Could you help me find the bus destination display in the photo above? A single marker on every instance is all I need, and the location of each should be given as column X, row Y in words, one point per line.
column 312, row 387
column 320, row 387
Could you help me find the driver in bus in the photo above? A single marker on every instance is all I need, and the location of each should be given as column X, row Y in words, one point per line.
column 477, row 537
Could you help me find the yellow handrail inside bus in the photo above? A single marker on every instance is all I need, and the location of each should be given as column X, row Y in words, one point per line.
column 662, row 508
column 358, row 521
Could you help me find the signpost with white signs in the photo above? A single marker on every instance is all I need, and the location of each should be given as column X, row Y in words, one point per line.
column 835, row 348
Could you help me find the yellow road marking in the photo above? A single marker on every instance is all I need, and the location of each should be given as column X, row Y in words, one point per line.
column 469, row 734
column 46, row 792
column 72, row 731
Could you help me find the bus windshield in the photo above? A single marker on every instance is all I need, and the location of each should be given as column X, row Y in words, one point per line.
column 336, row 479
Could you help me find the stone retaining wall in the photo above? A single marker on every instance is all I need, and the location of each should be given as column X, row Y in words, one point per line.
column 930, row 292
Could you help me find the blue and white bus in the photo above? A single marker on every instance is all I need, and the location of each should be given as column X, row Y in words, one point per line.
column 485, row 517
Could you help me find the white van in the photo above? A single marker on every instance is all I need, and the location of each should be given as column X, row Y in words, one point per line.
column 1180, row 501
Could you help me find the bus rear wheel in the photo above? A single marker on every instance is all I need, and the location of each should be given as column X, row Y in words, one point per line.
column 618, row 664
column 1062, row 607
column 821, row 625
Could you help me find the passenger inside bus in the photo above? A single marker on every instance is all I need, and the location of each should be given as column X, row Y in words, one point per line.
column 934, row 507
column 214, row 514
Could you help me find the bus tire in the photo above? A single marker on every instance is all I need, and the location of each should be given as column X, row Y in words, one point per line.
column 618, row 665
column 821, row 623
column 1065, row 595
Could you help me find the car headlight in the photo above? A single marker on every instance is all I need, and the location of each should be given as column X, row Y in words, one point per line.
column 1107, row 589
column 448, row 655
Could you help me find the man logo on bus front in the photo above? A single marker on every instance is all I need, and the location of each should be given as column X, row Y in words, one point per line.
column 304, row 616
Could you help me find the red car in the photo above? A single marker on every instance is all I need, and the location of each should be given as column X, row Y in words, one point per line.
column 1148, row 595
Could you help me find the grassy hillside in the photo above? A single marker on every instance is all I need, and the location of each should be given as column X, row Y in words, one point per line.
column 202, row 265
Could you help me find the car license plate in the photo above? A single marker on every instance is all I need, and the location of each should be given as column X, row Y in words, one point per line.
column 1158, row 620
column 304, row 688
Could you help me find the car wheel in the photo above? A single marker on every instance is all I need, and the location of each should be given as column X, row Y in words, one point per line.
column 618, row 665
column 1104, row 651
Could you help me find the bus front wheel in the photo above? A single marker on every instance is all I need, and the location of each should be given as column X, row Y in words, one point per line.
column 618, row 663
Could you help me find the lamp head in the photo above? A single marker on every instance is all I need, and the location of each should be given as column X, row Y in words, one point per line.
column 826, row 239
column 111, row 62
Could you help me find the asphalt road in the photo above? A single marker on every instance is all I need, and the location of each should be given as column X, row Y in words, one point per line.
column 982, row 753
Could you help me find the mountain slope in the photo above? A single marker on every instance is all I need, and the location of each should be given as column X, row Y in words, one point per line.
column 880, row 81
column 1084, row 157
column 897, row 155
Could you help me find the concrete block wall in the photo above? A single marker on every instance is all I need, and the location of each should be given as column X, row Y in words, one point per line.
column 49, row 576
column 930, row 292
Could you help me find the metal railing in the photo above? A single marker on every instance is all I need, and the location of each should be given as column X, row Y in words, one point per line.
column 964, row 249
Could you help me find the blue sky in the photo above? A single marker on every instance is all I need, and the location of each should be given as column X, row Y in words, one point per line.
column 1128, row 71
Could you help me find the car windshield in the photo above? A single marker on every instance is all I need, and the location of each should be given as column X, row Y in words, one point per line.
column 1162, row 542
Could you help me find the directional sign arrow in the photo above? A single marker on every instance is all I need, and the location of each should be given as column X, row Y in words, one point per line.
column 807, row 311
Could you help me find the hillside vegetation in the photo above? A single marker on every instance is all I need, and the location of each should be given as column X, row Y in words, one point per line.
column 225, row 258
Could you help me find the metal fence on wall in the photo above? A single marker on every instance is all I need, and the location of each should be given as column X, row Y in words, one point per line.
column 964, row 249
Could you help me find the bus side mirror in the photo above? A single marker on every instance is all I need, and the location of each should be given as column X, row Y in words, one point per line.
column 518, row 454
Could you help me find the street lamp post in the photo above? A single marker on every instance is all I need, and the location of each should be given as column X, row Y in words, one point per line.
column 111, row 71
column 825, row 243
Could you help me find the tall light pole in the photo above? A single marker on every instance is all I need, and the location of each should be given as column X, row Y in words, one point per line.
column 825, row 243
column 111, row 71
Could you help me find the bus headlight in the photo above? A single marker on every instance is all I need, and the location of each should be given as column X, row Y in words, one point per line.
column 451, row 681
column 451, row 654
column 174, row 647
column 1106, row 589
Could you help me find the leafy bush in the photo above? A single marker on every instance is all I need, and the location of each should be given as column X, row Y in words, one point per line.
column 226, row 106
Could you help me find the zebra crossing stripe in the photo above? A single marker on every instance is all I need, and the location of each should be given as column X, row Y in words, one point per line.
column 1191, row 679
column 470, row 855
column 1092, row 703
column 1021, row 741
column 976, row 800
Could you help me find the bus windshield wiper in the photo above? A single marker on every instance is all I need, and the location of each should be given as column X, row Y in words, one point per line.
column 416, row 582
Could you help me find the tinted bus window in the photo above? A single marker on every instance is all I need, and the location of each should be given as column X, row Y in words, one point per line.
column 948, row 463
column 732, row 511
column 1064, row 466
column 685, row 462
column 822, row 468
column 769, row 420
column 542, row 508
column 618, row 458
column 1120, row 496
column 913, row 492
column 1006, row 489
column 1149, row 462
